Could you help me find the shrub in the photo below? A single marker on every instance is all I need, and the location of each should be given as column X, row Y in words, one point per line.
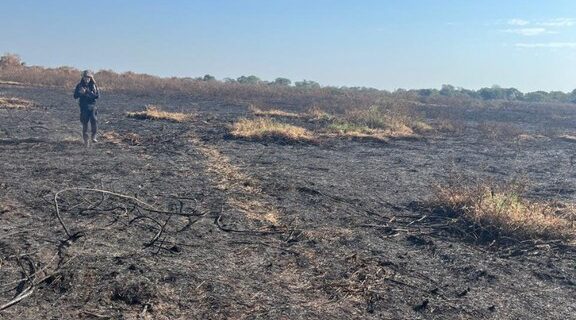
column 503, row 212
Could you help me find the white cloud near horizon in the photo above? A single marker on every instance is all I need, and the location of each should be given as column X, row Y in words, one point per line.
column 558, row 22
column 528, row 31
column 535, row 28
column 550, row 45
column 518, row 22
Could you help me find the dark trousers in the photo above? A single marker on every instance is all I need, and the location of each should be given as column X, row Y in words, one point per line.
column 88, row 114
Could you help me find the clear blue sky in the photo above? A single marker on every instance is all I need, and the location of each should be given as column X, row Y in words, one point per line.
column 386, row 44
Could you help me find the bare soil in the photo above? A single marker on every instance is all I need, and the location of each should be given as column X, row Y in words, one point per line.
column 180, row 221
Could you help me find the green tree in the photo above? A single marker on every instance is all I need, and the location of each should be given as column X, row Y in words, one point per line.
column 249, row 80
column 282, row 82
column 308, row 84
column 208, row 77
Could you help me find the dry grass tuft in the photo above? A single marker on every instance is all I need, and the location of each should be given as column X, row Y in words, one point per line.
column 15, row 103
column 377, row 123
column 568, row 137
column 503, row 212
column 272, row 112
column 268, row 129
column 127, row 138
column 153, row 112
column 317, row 114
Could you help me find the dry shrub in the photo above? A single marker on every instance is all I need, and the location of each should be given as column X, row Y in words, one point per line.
column 376, row 122
column 272, row 112
column 502, row 212
column 153, row 112
column 316, row 113
column 15, row 103
column 268, row 129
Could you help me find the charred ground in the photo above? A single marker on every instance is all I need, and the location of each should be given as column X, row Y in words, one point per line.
column 205, row 226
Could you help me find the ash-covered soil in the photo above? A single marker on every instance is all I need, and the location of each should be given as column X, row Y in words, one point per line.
column 179, row 221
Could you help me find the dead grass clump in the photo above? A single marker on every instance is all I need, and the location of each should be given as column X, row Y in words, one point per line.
column 376, row 122
column 272, row 112
column 153, row 112
column 268, row 129
column 502, row 212
column 128, row 138
column 15, row 103
column 568, row 137
column 317, row 114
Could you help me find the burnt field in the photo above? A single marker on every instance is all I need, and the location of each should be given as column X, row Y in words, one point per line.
column 181, row 220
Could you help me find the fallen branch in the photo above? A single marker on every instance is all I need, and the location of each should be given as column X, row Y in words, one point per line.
column 144, row 205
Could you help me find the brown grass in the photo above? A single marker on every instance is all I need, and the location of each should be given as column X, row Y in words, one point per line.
column 245, row 193
column 15, row 103
column 376, row 123
column 153, row 112
column 126, row 138
column 316, row 113
column 272, row 112
column 568, row 137
column 502, row 211
column 268, row 129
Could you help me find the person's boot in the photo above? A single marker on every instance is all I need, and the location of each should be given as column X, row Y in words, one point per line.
column 94, row 139
column 86, row 143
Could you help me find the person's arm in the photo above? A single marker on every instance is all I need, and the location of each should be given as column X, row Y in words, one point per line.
column 77, row 93
column 96, row 92
column 92, row 92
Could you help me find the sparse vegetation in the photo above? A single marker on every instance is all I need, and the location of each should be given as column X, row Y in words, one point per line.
column 503, row 212
column 375, row 122
column 268, row 129
column 499, row 130
column 272, row 112
column 116, row 138
column 15, row 103
column 317, row 114
column 153, row 112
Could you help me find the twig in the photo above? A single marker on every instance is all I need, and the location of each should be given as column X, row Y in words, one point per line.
column 143, row 204
column 218, row 223
column 19, row 298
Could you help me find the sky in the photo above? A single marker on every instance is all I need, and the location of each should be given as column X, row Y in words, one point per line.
column 386, row 44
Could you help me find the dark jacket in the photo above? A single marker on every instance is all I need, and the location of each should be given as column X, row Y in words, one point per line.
column 87, row 93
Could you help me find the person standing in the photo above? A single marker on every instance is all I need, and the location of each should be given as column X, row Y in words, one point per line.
column 87, row 92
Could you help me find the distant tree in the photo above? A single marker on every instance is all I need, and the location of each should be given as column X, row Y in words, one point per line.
column 427, row 92
column 249, row 80
column 208, row 77
column 11, row 60
column 229, row 80
column 447, row 90
column 493, row 93
column 282, row 82
column 572, row 97
column 513, row 94
column 308, row 84
column 558, row 96
column 537, row 96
